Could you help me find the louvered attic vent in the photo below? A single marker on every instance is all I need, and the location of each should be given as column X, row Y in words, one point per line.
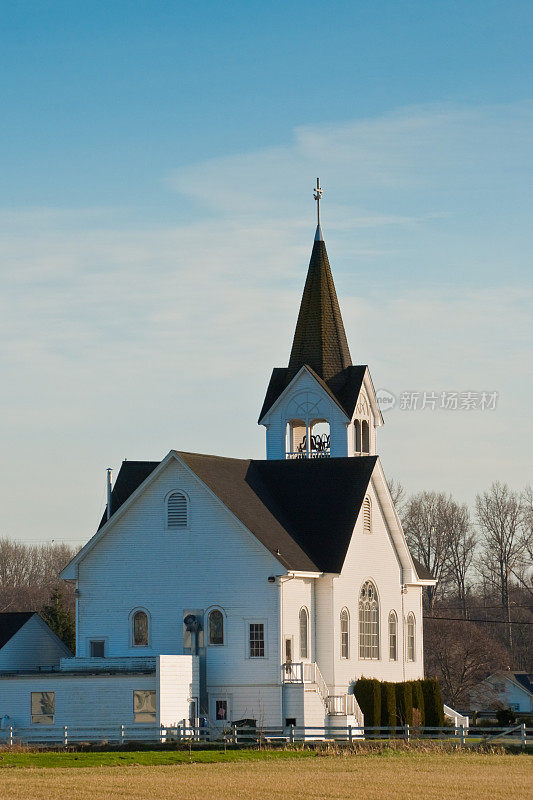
column 367, row 516
column 177, row 510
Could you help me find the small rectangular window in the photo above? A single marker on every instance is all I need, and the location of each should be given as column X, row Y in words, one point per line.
column 144, row 705
column 43, row 706
column 221, row 709
column 97, row 648
column 257, row 640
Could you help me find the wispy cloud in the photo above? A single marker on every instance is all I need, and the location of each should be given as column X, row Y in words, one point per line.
column 126, row 339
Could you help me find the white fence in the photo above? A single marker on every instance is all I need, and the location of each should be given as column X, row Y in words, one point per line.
column 233, row 734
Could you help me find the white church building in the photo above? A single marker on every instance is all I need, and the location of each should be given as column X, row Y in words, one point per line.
column 226, row 589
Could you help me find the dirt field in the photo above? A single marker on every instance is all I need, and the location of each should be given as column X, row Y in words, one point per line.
column 385, row 777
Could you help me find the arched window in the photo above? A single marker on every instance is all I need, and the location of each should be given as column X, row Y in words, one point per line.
column 296, row 439
column 367, row 515
column 368, row 622
column 345, row 633
column 393, row 636
column 357, row 436
column 319, row 438
column 177, row 516
column 411, row 652
column 216, row 627
column 304, row 633
column 365, row 436
column 140, row 629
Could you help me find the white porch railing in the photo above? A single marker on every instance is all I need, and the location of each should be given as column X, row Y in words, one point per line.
column 309, row 672
column 115, row 664
column 305, row 454
column 456, row 718
column 305, row 672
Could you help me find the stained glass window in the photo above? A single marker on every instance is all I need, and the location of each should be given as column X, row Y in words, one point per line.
column 368, row 622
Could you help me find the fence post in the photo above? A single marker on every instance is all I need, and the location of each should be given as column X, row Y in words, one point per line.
column 406, row 735
column 350, row 735
column 122, row 733
column 462, row 729
column 523, row 735
column 65, row 735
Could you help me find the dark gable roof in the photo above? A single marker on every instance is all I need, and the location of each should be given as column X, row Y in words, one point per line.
column 423, row 573
column 319, row 340
column 130, row 476
column 344, row 387
column 302, row 511
column 11, row 622
column 524, row 679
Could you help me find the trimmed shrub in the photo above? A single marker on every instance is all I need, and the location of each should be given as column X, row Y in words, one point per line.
column 433, row 703
column 367, row 692
column 388, row 705
column 404, row 703
column 418, row 703
column 505, row 716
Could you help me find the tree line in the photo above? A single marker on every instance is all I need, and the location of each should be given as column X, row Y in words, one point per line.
column 479, row 616
column 29, row 581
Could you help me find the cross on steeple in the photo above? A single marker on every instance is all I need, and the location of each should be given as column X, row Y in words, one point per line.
column 317, row 194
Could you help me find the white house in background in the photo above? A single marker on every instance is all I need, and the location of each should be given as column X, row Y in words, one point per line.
column 28, row 643
column 504, row 689
column 236, row 589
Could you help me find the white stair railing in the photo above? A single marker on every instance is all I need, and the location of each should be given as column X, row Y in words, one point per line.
column 309, row 672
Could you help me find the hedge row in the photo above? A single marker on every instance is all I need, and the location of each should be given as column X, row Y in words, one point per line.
column 389, row 704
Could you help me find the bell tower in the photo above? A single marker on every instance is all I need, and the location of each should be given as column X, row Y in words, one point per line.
column 320, row 405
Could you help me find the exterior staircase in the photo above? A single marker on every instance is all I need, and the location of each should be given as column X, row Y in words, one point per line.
column 308, row 673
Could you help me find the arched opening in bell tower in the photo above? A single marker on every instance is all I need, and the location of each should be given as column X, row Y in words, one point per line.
column 307, row 439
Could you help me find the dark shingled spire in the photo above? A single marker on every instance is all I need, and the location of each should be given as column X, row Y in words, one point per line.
column 319, row 340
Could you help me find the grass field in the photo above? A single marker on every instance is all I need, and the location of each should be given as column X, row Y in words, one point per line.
column 274, row 776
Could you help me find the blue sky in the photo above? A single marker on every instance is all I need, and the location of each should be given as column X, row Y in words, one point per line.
column 156, row 219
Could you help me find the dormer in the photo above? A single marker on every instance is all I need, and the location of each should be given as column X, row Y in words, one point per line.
column 320, row 405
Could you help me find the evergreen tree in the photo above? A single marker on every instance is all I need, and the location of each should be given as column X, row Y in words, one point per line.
column 60, row 619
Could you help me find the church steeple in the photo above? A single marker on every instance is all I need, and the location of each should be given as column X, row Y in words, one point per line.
column 319, row 339
column 320, row 405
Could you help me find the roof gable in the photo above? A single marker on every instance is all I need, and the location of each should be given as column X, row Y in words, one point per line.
column 302, row 511
column 343, row 388
column 11, row 622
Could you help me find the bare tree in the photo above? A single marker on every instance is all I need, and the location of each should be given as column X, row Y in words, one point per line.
column 524, row 572
column 460, row 655
column 397, row 491
column 500, row 517
column 29, row 574
column 462, row 544
column 426, row 525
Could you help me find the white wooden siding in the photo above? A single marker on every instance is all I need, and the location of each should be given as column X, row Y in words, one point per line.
column 373, row 557
column 33, row 646
column 214, row 562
